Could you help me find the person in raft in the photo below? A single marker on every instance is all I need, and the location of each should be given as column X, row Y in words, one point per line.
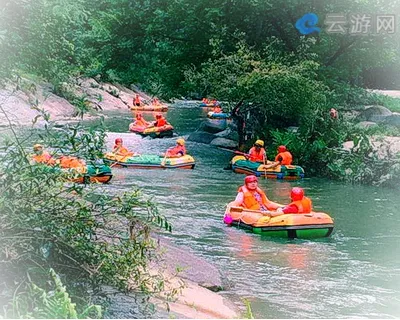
column 41, row 156
column 205, row 100
column 136, row 100
column 299, row 204
column 251, row 197
column 257, row 152
column 283, row 157
column 178, row 151
column 139, row 121
column 120, row 150
column 217, row 109
column 156, row 102
column 160, row 120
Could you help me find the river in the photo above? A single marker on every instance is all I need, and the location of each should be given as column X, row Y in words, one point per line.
column 354, row 273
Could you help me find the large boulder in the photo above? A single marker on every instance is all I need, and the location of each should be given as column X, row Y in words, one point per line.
column 214, row 126
column 393, row 120
column 225, row 143
column 228, row 134
column 201, row 137
column 374, row 114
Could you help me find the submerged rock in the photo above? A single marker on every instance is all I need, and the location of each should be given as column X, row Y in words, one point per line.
column 213, row 126
column 225, row 143
column 201, row 137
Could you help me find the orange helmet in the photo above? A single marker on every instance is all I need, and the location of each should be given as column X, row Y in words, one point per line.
column 250, row 178
column 281, row 148
column 118, row 140
column 297, row 193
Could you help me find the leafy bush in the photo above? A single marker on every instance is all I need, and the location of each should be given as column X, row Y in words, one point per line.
column 89, row 239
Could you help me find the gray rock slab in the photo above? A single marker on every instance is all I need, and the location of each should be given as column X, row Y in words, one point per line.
column 225, row 143
column 201, row 137
column 214, row 126
column 374, row 113
column 194, row 268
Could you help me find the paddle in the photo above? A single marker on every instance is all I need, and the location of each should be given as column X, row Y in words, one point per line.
column 265, row 169
column 235, row 151
column 121, row 160
column 241, row 209
column 163, row 161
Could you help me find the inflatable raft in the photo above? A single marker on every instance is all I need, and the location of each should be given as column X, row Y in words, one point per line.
column 150, row 161
column 221, row 115
column 299, row 225
column 153, row 132
column 94, row 174
column 207, row 105
column 241, row 165
column 80, row 172
column 151, row 107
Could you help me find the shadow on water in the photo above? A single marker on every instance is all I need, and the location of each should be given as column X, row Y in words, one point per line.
column 354, row 273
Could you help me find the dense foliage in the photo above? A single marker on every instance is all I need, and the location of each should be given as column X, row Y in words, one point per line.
column 240, row 51
column 85, row 236
column 153, row 42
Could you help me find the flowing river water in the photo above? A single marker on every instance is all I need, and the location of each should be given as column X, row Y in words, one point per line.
column 354, row 273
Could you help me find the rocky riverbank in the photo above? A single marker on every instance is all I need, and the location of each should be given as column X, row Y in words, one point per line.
column 21, row 102
column 198, row 281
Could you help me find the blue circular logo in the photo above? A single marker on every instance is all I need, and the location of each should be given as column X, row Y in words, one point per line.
column 306, row 24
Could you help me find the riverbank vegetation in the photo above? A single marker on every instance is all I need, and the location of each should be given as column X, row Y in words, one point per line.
column 62, row 242
column 237, row 51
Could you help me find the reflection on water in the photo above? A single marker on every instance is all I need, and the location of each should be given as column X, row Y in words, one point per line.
column 355, row 273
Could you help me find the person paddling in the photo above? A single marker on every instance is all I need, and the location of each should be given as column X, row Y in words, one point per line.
column 251, row 197
column 120, row 150
column 178, row 151
column 257, row 152
column 139, row 121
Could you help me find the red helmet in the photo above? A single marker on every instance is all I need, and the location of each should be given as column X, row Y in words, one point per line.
column 158, row 115
column 250, row 178
column 281, row 148
column 297, row 193
column 138, row 116
column 118, row 140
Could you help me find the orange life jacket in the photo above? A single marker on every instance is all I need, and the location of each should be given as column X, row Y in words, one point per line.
column 71, row 162
column 44, row 158
column 217, row 110
column 141, row 123
column 257, row 155
column 304, row 205
column 121, row 151
column 250, row 201
column 286, row 158
column 175, row 150
column 161, row 122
